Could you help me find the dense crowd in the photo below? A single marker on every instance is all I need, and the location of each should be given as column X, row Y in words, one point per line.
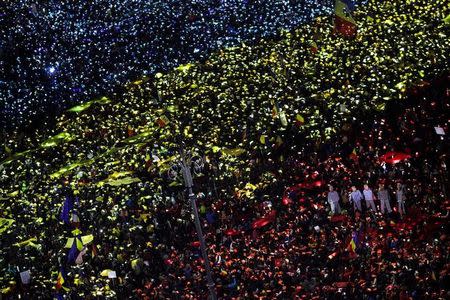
column 278, row 122
column 58, row 53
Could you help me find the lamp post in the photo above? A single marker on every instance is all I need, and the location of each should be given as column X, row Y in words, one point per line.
column 183, row 166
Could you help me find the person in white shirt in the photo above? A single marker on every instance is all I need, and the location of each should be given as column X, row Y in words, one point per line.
column 401, row 197
column 355, row 198
column 333, row 199
column 369, row 197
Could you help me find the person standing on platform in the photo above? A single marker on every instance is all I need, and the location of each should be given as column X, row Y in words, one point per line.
column 355, row 198
column 369, row 197
column 383, row 196
column 333, row 200
column 401, row 197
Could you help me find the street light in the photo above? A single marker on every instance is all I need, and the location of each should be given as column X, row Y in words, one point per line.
column 184, row 165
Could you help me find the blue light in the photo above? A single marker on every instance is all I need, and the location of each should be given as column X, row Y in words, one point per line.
column 51, row 70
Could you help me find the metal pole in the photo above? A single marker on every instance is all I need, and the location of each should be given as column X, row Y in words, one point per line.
column 189, row 183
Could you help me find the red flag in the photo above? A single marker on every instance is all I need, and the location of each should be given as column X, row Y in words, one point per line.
column 394, row 157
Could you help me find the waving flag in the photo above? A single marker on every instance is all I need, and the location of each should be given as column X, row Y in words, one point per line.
column 313, row 47
column 353, row 243
column 261, row 222
column 76, row 244
column 393, row 158
column 67, row 207
column 344, row 22
column 299, row 120
column 275, row 110
column 60, row 281
column 354, row 155
column 162, row 121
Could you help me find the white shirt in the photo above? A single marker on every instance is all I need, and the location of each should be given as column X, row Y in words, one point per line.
column 368, row 195
column 333, row 197
column 356, row 196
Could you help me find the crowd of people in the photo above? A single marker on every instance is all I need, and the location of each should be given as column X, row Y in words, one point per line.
column 58, row 53
column 94, row 211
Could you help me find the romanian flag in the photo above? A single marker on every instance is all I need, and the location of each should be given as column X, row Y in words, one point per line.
column 278, row 141
column 313, row 47
column 60, row 281
column 162, row 121
column 353, row 243
column 344, row 22
column 263, row 139
column 352, row 246
column 354, row 155
column 76, row 244
column 94, row 251
column 275, row 110
column 447, row 20
column 8, row 151
column 299, row 120
column 283, row 119
column 67, row 207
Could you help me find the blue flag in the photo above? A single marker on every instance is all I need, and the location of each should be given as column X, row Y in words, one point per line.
column 67, row 207
column 350, row 4
column 73, row 253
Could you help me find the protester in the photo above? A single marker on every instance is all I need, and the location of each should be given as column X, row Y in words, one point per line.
column 355, row 199
column 369, row 197
column 385, row 199
column 333, row 200
column 401, row 197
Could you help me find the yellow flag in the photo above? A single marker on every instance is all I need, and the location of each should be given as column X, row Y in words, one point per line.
column 69, row 243
column 262, row 139
column 105, row 272
column 87, row 239
column 283, row 119
column 299, row 118
column 5, row 224
column 233, row 152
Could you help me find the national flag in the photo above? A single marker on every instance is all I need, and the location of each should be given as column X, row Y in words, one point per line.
column 447, row 20
column 433, row 275
column 263, row 139
column 344, row 22
column 60, row 281
column 76, row 244
column 353, row 243
column 313, row 47
column 8, row 151
column 5, row 224
column 73, row 252
column 299, row 120
column 67, row 207
column 283, row 119
column 233, row 152
column 130, row 131
column 94, row 251
column 278, row 141
column 163, row 121
column 354, row 155
column 28, row 243
column 275, row 110
column 393, row 158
